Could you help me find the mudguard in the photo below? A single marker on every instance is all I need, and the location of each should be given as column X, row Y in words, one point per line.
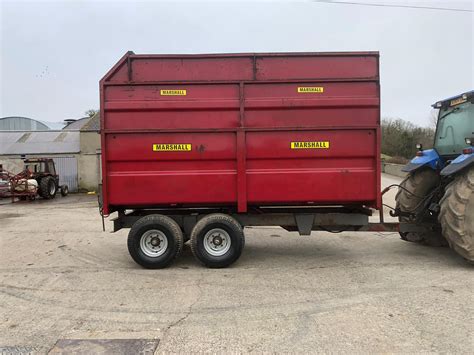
column 429, row 158
column 461, row 162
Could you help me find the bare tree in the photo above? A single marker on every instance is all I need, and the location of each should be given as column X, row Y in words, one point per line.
column 91, row 112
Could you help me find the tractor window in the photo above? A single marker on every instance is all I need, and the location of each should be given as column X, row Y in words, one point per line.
column 33, row 167
column 51, row 167
column 454, row 125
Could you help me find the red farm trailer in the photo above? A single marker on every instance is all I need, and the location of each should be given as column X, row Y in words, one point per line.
column 199, row 146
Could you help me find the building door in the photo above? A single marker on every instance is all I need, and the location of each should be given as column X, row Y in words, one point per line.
column 66, row 168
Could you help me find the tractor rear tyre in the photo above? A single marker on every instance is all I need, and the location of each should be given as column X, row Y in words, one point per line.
column 457, row 214
column 47, row 187
column 155, row 241
column 418, row 184
column 217, row 240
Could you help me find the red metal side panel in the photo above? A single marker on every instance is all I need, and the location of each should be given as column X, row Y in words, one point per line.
column 342, row 174
column 342, row 104
column 239, row 115
column 321, row 67
column 191, row 69
column 139, row 176
column 138, row 107
column 345, row 114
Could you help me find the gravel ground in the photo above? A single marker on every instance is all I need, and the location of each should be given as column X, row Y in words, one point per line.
column 62, row 277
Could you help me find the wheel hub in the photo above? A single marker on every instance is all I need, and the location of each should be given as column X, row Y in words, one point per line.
column 153, row 243
column 217, row 242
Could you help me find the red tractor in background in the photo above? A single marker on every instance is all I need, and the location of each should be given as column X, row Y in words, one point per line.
column 38, row 177
column 43, row 170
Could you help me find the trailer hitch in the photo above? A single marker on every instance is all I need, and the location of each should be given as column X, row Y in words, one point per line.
column 397, row 212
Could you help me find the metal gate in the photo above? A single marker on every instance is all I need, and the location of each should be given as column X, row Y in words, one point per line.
column 66, row 168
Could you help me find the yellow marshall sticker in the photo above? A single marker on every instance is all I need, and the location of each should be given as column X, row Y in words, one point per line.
column 310, row 89
column 174, row 147
column 309, row 145
column 173, row 92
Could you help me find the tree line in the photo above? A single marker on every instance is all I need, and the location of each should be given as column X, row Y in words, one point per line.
column 399, row 138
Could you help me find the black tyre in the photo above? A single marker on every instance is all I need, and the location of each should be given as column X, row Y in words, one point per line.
column 155, row 241
column 64, row 190
column 418, row 184
column 457, row 214
column 217, row 240
column 47, row 187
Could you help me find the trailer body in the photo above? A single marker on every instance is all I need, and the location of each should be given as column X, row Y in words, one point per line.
column 241, row 131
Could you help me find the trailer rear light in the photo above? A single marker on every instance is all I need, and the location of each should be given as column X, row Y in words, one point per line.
column 467, row 151
column 419, row 153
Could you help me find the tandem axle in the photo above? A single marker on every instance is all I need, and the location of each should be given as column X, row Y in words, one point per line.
column 157, row 236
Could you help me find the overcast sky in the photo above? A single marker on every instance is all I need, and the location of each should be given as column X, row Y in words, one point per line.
column 54, row 53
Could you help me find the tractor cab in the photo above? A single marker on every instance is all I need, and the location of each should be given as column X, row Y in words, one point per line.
column 455, row 132
column 40, row 166
column 452, row 149
column 455, row 125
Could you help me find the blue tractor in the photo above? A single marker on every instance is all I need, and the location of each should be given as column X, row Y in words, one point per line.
column 438, row 193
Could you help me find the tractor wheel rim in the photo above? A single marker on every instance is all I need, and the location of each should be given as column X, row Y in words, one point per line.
column 153, row 243
column 52, row 188
column 217, row 242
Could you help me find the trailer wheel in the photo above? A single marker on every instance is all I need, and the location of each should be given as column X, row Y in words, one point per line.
column 64, row 190
column 47, row 187
column 217, row 240
column 155, row 241
column 457, row 214
column 419, row 184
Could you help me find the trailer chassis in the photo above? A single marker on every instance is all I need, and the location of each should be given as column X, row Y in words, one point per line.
column 213, row 227
column 302, row 220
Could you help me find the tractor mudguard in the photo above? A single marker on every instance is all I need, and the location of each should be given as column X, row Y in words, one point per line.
column 429, row 158
column 461, row 162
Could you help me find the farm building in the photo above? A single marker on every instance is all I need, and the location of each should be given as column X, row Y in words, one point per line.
column 76, row 152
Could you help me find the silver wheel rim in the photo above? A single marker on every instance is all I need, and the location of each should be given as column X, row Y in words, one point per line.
column 52, row 188
column 153, row 243
column 217, row 242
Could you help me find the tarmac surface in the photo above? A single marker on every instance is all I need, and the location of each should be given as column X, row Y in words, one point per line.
column 62, row 278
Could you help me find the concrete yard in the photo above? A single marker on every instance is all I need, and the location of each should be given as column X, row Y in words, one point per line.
column 61, row 277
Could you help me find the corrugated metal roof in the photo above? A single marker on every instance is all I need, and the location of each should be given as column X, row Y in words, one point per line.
column 93, row 124
column 50, row 142
column 77, row 124
column 16, row 123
